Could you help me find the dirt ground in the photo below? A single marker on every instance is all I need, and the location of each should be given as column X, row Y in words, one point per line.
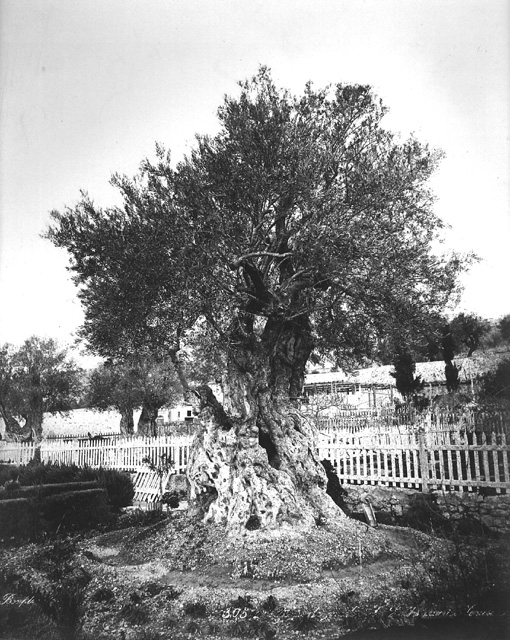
column 177, row 578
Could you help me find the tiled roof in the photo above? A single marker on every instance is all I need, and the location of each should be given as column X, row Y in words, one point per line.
column 430, row 372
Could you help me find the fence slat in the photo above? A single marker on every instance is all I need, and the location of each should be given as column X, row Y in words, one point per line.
column 441, row 449
column 450, row 451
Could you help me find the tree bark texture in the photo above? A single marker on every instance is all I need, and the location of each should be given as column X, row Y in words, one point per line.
column 147, row 425
column 127, row 425
column 13, row 429
column 255, row 464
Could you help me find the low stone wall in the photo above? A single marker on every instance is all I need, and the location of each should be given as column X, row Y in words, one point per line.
column 393, row 503
column 409, row 507
column 492, row 511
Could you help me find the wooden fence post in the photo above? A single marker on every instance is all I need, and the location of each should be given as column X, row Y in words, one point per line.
column 424, row 459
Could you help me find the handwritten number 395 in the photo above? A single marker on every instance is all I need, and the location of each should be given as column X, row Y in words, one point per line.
column 234, row 613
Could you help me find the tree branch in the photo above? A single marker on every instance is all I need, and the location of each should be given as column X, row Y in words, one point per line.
column 257, row 254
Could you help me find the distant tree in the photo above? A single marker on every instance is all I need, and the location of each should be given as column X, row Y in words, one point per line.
column 448, row 344
column 422, row 338
column 496, row 385
column 140, row 382
column 430, row 346
column 448, row 348
column 452, row 375
column 159, row 386
column 36, row 378
column 504, row 328
column 114, row 385
column 7, row 391
column 408, row 385
column 468, row 329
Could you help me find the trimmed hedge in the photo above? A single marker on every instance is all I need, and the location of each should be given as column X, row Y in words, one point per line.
column 74, row 510
column 19, row 519
column 118, row 484
column 46, row 490
column 28, row 518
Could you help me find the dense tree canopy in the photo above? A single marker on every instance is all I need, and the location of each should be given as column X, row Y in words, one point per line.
column 468, row 329
column 504, row 328
column 140, row 381
column 303, row 226
column 299, row 208
column 496, row 385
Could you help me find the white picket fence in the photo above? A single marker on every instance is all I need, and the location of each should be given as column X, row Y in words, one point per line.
column 438, row 457
column 116, row 452
column 458, row 454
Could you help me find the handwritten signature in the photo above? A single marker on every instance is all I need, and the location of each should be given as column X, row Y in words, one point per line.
column 10, row 598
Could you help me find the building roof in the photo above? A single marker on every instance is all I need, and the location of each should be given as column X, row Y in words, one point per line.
column 431, row 372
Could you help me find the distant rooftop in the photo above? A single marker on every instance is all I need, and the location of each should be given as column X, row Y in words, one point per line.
column 430, row 372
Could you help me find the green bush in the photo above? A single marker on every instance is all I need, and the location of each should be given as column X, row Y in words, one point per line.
column 29, row 518
column 8, row 472
column 35, row 473
column 118, row 484
column 496, row 385
column 19, row 519
column 43, row 490
column 75, row 510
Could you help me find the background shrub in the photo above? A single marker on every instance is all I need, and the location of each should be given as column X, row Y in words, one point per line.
column 35, row 473
column 28, row 518
column 74, row 510
column 18, row 518
column 118, row 484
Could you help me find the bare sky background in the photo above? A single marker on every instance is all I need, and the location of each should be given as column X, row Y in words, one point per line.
column 88, row 86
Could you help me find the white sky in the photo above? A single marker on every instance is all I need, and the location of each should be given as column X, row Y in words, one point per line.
column 88, row 86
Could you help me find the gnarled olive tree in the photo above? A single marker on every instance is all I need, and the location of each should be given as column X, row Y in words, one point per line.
column 302, row 226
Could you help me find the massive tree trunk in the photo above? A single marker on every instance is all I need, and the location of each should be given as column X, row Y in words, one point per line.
column 13, row 429
column 127, row 424
column 33, row 424
column 147, row 422
column 255, row 463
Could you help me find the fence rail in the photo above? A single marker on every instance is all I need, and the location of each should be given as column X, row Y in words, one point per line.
column 360, row 419
column 416, row 457
column 444, row 450
column 125, row 453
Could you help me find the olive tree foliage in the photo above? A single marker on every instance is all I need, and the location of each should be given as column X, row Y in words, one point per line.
column 496, row 385
column 126, row 385
column 468, row 329
column 111, row 385
column 36, row 378
column 8, row 401
column 423, row 342
column 302, row 227
column 504, row 328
